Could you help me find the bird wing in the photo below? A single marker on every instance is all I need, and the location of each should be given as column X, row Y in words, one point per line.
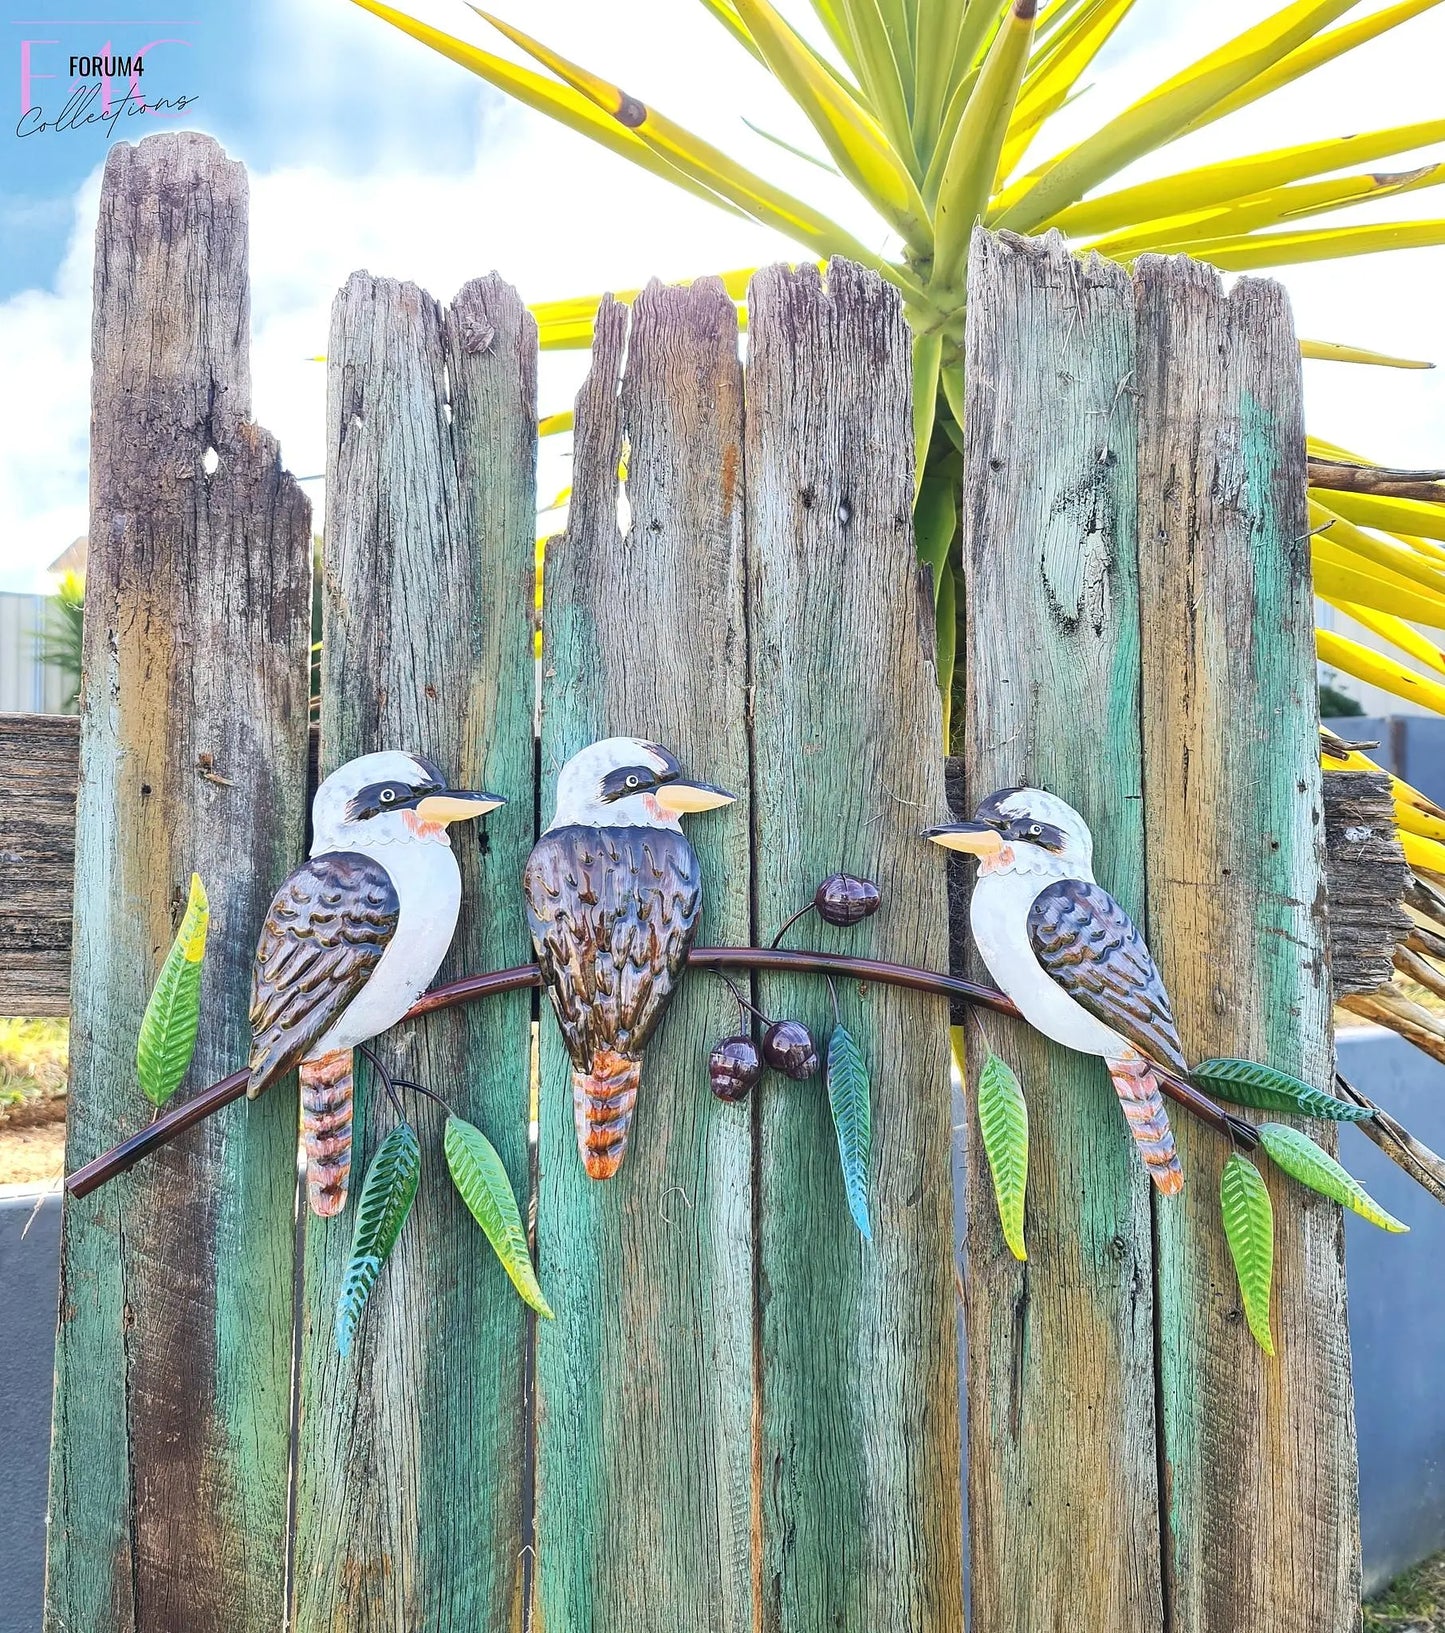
column 325, row 933
column 612, row 913
column 1090, row 946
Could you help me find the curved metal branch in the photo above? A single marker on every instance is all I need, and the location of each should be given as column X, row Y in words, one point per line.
column 129, row 1152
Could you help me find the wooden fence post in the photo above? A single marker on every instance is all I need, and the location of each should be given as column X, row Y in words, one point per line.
column 173, row 1360
column 409, row 1507
column 1062, row 1494
column 1259, row 1454
column 644, row 1427
column 858, row 1427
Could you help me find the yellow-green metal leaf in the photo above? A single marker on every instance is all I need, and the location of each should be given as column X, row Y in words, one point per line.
column 480, row 1177
column 1294, row 1151
column 973, row 157
column 1334, row 351
column 1166, row 111
column 1376, row 669
column 1321, row 244
column 172, row 1017
column 1003, row 1121
column 700, row 160
column 1249, row 1230
column 848, row 130
column 1233, row 179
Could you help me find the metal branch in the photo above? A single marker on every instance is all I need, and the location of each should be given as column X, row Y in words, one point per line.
column 129, row 1152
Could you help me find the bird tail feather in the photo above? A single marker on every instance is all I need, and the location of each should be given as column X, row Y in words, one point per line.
column 1143, row 1103
column 326, row 1129
column 602, row 1102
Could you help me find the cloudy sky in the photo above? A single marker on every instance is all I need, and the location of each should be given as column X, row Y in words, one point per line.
column 366, row 150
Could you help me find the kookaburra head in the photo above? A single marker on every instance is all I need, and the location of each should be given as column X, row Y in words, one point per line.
column 1023, row 830
column 624, row 782
column 382, row 799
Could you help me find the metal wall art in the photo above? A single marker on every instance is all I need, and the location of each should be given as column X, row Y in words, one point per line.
column 612, row 894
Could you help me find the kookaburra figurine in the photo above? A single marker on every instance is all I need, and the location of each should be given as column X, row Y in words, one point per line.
column 613, row 892
column 352, row 939
column 1069, row 956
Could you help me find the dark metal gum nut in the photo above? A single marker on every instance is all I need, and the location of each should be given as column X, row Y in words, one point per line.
column 733, row 1067
column 845, row 900
column 788, row 1048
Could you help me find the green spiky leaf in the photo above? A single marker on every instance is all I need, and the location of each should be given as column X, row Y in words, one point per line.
column 1245, row 1083
column 1294, row 1151
column 849, row 1099
column 480, row 1177
column 1003, row 1120
column 1249, row 1230
column 168, row 1028
column 387, row 1194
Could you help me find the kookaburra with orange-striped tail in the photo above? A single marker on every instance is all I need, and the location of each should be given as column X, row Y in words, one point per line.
column 613, row 893
column 1069, row 956
column 352, row 939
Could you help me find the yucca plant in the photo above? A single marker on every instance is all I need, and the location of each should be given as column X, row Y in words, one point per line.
column 935, row 111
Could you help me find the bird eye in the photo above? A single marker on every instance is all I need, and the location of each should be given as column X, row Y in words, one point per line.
column 632, row 782
column 387, row 795
column 1035, row 831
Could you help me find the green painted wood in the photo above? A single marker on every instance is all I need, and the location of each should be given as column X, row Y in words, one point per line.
column 644, row 1381
column 858, row 1451
column 1260, row 1460
column 410, row 1461
column 1062, row 1491
column 173, row 1358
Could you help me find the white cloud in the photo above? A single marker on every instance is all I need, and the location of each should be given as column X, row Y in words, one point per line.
column 558, row 216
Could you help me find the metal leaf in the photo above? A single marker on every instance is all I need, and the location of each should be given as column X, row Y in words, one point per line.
column 1294, row 1151
column 1003, row 1120
column 849, row 1099
column 1249, row 1230
column 172, row 1017
column 480, row 1177
column 387, row 1194
column 1246, row 1083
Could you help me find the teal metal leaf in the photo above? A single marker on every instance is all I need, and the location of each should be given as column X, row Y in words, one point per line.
column 173, row 1016
column 1003, row 1120
column 1245, row 1083
column 850, row 1101
column 479, row 1175
column 387, row 1194
column 1294, row 1151
column 1249, row 1230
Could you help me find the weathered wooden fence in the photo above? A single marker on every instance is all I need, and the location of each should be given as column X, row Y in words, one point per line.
column 743, row 1418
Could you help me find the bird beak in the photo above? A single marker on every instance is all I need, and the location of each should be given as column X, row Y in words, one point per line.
column 682, row 797
column 456, row 805
column 976, row 838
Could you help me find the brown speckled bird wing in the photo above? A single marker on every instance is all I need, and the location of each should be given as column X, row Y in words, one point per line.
column 1089, row 945
column 612, row 913
column 324, row 935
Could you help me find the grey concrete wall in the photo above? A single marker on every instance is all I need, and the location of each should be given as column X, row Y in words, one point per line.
column 29, row 1276
column 1397, row 1315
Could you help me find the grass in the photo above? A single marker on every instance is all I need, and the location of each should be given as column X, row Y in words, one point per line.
column 34, row 1063
column 1413, row 1603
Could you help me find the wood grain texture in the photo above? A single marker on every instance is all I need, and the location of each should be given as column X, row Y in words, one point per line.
column 1366, row 878
column 858, row 1452
column 1062, row 1511
column 644, row 1381
column 1259, row 1454
column 39, row 764
column 168, row 1476
column 409, row 1504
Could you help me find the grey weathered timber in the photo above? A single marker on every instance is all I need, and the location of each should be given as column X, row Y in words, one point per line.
column 409, row 1505
column 1062, row 1495
column 168, row 1478
column 1366, row 877
column 1258, row 1454
column 858, row 1420
column 39, row 756
column 645, row 1468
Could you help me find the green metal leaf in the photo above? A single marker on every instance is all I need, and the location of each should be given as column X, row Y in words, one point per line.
column 1003, row 1120
column 1246, row 1083
column 479, row 1175
column 1294, row 1151
column 387, row 1194
column 849, row 1099
column 168, row 1028
column 1249, row 1230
